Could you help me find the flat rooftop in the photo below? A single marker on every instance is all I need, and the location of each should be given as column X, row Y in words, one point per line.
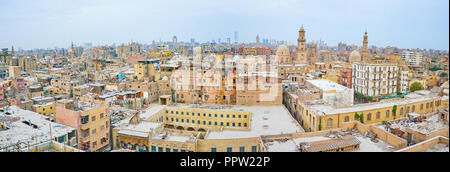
column 265, row 120
column 26, row 126
column 327, row 85
column 292, row 145
column 320, row 107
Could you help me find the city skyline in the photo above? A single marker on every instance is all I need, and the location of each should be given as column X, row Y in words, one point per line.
column 46, row 23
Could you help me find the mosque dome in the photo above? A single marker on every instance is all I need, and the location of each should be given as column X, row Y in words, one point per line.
column 283, row 50
column 354, row 56
column 282, row 54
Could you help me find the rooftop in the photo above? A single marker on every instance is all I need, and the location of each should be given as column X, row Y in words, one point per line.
column 25, row 126
column 265, row 120
column 327, row 85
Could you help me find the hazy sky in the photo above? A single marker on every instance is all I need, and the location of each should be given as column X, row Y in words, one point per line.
column 29, row 24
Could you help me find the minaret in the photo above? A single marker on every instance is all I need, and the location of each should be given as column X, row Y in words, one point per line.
column 301, row 49
column 12, row 51
column 72, row 54
column 365, row 51
column 312, row 54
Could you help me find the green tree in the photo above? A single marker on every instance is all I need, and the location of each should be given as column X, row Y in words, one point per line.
column 435, row 68
column 443, row 74
column 394, row 111
column 320, row 124
column 369, row 98
column 416, row 86
column 359, row 95
column 361, row 118
column 356, row 116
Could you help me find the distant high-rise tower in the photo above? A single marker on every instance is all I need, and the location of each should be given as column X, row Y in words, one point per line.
column 174, row 39
column 229, row 41
column 257, row 39
column 235, row 42
column 365, row 50
column 301, row 49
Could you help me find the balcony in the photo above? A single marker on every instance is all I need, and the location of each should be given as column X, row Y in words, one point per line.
column 85, row 138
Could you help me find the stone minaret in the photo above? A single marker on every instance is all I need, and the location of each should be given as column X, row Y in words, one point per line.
column 72, row 54
column 301, row 49
column 312, row 54
column 365, row 51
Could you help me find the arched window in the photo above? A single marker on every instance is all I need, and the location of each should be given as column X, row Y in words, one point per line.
column 347, row 119
column 144, row 148
column 414, row 108
column 129, row 146
column 388, row 113
column 401, row 111
column 136, row 147
column 329, row 123
column 378, row 116
column 122, row 144
column 421, row 106
column 427, row 106
column 407, row 109
column 369, row 116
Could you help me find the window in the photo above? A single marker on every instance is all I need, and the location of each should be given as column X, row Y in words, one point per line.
column 254, row 148
column 234, row 116
column 378, row 116
column 239, row 116
column 160, row 149
column 213, row 150
column 369, row 116
column 347, row 119
column 413, row 108
column 101, row 116
column 421, row 106
column 329, row 123
column 234, row 124
column 215, row 115
column 229, row 149
column 167, row 149
column 242, row 149
column 245, row 124
column 175, row 150
column 94, row 131
column 182, row 113
column 239, row 124
column 93, row 118
column 209, row 115
column 388, row 113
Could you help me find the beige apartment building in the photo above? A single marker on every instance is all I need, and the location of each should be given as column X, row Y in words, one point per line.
column 91, row 121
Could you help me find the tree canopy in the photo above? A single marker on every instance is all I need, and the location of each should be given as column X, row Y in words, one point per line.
column 416, row 86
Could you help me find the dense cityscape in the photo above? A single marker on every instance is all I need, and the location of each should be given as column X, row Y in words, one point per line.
column 225, row 95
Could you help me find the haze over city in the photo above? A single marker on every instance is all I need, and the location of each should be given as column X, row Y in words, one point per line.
column 50, row 23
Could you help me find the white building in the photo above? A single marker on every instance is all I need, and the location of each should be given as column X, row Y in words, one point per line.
column 414, row 58
column 375, row 79
column 332, row 93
